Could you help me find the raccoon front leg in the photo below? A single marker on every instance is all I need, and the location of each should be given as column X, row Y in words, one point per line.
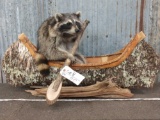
column 63, row 55
column 61, row 51
column 80, row 58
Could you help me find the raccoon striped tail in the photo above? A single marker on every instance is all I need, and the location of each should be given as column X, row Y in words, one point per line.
column 42, row 64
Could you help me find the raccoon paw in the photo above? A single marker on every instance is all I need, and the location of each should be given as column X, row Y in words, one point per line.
column 78, row 61
column 72, row 58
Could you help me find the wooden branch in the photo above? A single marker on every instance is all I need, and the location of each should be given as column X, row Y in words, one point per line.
column 104, row 89
column 54, row 89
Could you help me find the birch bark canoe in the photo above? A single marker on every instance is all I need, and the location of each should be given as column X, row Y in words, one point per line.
column 135, row 65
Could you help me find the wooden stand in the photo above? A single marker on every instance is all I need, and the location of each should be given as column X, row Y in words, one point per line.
column 105, row 89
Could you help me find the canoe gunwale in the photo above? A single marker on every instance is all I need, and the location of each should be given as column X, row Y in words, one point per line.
column 123, row 54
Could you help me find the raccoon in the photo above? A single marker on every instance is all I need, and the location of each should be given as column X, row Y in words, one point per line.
column 56, row 37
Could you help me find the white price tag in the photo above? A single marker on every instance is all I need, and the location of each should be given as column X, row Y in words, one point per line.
column 72, row 75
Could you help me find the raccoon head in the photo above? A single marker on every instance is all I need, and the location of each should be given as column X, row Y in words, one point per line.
column 68, row 24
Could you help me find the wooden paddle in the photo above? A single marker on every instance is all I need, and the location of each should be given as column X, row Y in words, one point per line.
column 55, row 87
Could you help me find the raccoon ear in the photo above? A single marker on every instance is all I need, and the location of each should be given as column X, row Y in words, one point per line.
column 78, row 14
column 52, row 22
column 58, row 17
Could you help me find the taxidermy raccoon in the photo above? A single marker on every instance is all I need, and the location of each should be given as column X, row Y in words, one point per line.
column 56, row 37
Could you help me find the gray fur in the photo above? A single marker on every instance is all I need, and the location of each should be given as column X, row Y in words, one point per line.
column 55, row 44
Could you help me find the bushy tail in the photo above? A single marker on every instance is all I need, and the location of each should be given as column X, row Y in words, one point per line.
column 42, row 64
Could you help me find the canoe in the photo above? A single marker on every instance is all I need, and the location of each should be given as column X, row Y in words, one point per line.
column 135, row 65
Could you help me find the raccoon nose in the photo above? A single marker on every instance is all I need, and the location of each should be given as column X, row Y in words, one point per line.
column 77, row 30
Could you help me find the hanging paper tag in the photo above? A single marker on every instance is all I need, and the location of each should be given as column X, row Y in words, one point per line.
column 72, row 75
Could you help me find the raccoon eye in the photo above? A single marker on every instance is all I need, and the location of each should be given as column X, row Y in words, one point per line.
column 78, row 25
column 69, row 24
column 66, row 26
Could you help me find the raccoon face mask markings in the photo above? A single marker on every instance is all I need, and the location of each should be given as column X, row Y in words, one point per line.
column 71, row 27
column 68, row 24
column 65, row 27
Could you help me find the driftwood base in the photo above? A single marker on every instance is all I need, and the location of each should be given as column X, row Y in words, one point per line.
column 104, row 89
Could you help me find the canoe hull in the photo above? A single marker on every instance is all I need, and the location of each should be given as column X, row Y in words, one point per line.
column 138, row 70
